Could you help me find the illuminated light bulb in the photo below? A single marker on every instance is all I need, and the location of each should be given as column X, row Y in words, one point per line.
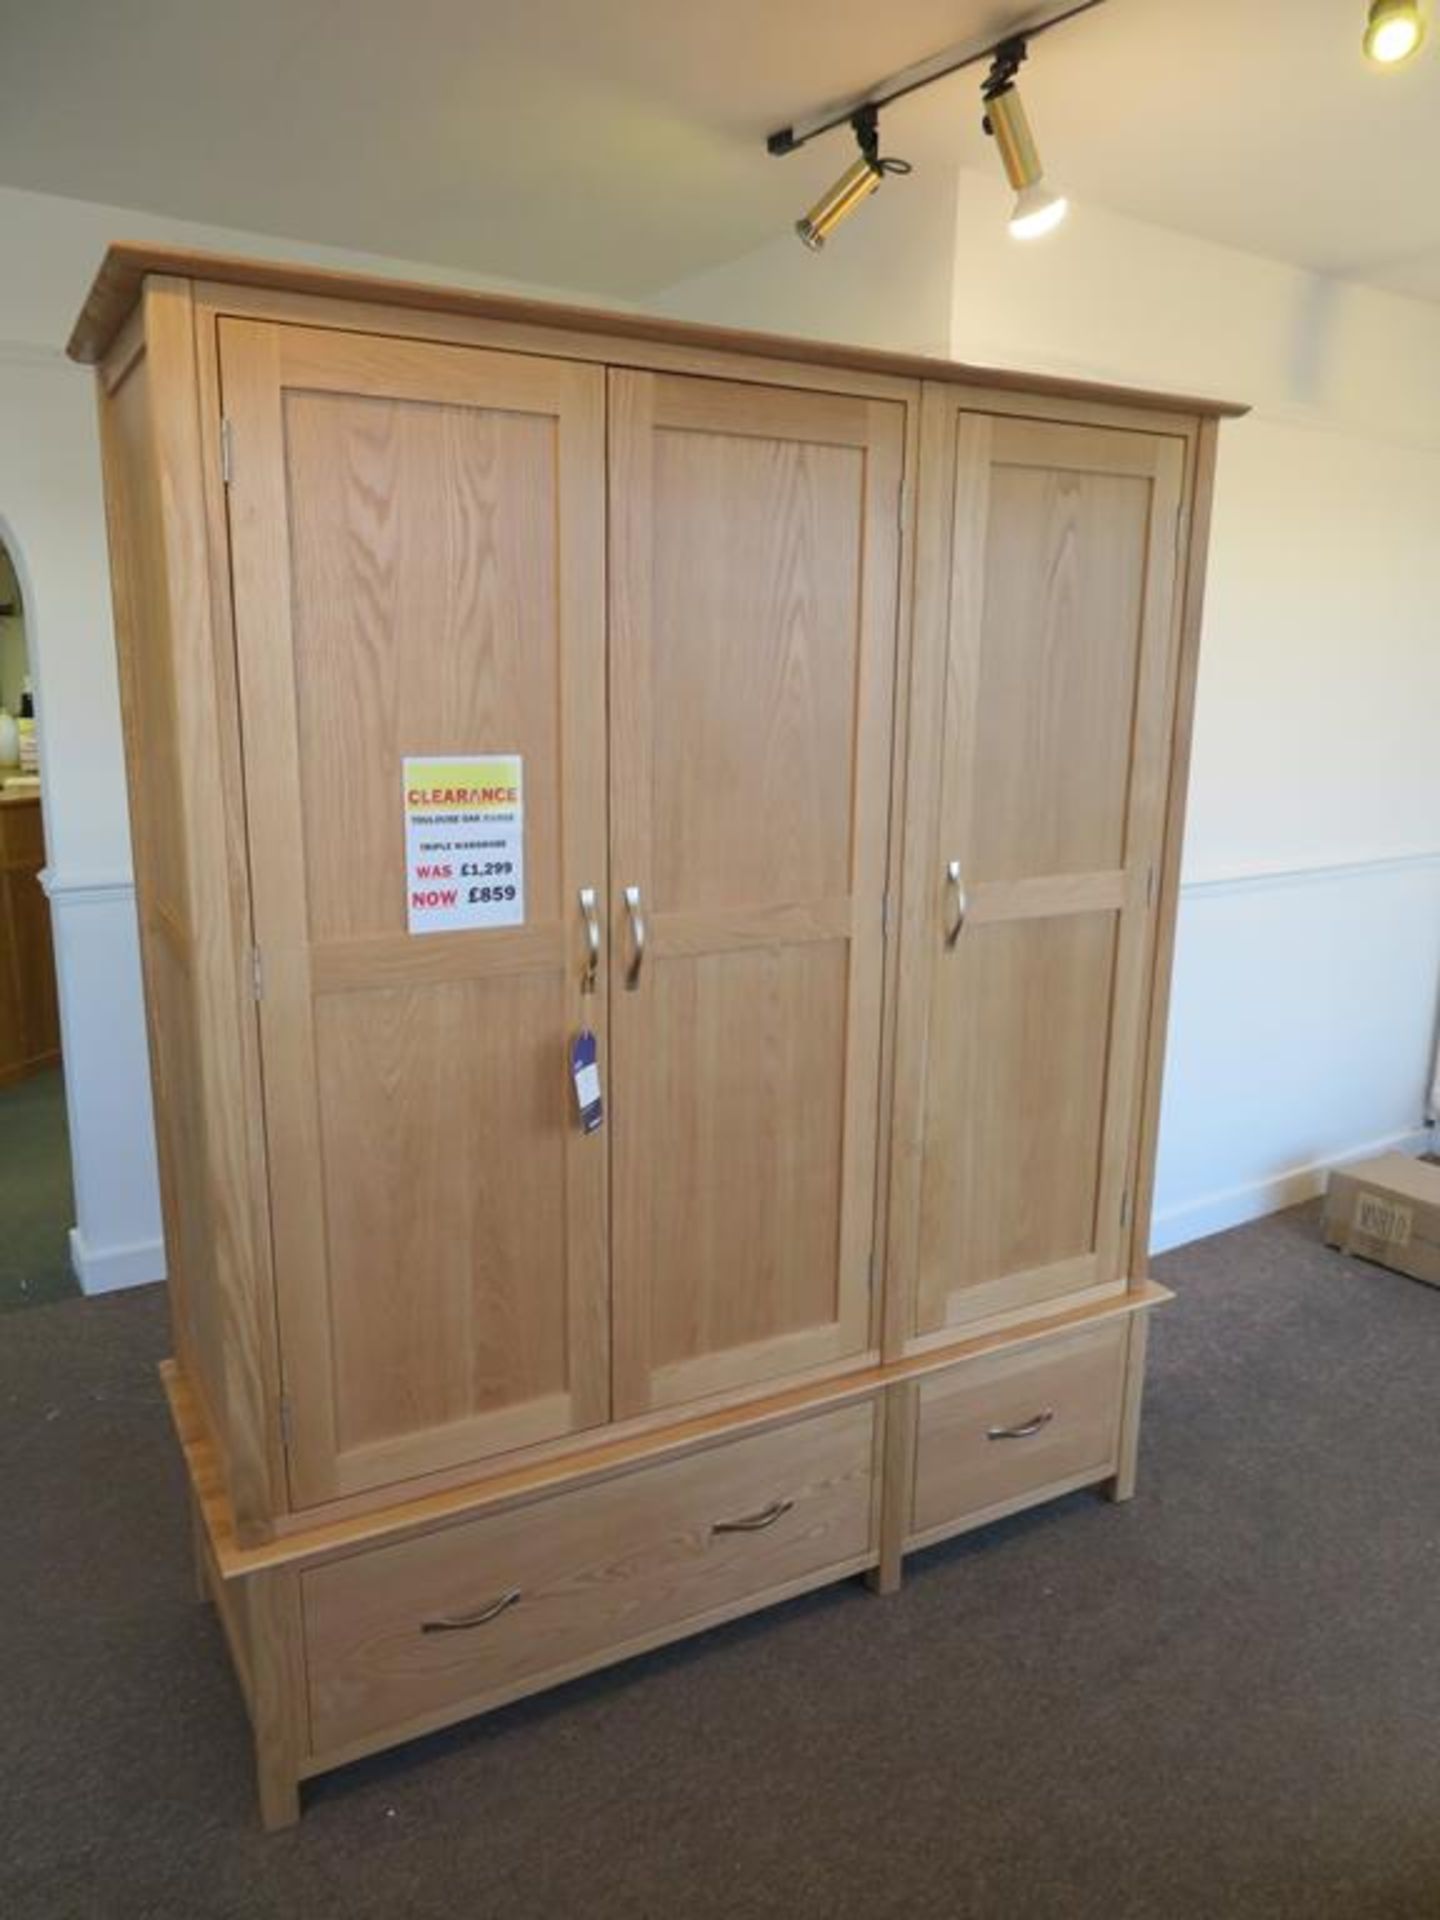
column 1037, row 210
column 1393, row 31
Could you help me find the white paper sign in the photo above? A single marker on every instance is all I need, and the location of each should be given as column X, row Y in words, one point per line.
column 464, row 842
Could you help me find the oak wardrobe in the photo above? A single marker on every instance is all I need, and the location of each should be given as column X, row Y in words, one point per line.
column 656, row 855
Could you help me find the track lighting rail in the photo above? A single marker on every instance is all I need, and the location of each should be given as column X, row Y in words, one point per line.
column 923, row 74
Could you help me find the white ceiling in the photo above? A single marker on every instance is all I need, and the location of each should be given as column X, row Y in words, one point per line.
column 617, row 145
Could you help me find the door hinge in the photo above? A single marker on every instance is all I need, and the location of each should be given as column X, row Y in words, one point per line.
column 1125, row 1208
column 885, row 913
column 227, row 452
column 287, row 1423
column 1150, row 885
column 257, row 975
column 870, row 1272
column 902, row 503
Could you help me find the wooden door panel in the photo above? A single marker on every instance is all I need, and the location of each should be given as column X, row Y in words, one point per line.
column 1051, row 764
column 1020, row 1040
column 418, row 524
column 1043, row 680
column 418, row 547
column 443, row 1129
column 754, row 582
column 753, row 689
column 746, row 1178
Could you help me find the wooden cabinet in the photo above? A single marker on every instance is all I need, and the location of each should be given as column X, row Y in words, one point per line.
column 29, row 1007
column 851, row 696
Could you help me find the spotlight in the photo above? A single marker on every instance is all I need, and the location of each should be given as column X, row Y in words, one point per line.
column 857, row 182
column 1037, row 207
column 1393, row 31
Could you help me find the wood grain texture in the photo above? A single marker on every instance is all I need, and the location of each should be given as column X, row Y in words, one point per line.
column 419, row 565
column 122, row 273
column 1019, row 1050
column 1122, row 1486
column 590, row 1573
column 1200, row 490
column 29, row 1005
column 1044, row 672
column 754, row 579
column 274, row 1634
column 590, row 1461
column 182, row 755
column 1070, row 1390
column 895, row 1484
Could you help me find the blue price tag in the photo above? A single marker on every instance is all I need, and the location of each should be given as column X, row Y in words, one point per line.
column 585, row 1078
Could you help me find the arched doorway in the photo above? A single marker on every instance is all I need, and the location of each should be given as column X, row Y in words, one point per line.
column 36, row 1198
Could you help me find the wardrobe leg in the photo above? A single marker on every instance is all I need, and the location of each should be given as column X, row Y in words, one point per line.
column 200, row 1551
column 1123, row 1484
column 279, row 1794
column 272, row 1608
column 896, row 1477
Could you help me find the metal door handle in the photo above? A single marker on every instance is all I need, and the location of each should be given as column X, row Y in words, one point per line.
column 755, row 1522
column 592, row 939
column 637, row 938
column 462, row 1622
column 1023, row 1432
column 956, row 879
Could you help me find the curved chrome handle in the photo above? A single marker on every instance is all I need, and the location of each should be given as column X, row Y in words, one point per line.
column 637, row 938
column 1024, row 1432
column 755, row 1522
column 591, row 912
column 956, row 879
column 462, row 1622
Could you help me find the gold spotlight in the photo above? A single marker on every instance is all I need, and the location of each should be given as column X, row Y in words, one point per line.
column 1038, row 208
column 855, row 185
column 1393, row 31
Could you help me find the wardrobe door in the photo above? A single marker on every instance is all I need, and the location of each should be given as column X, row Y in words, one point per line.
column 418, row 560
column 1040, row 740
column 752, row 644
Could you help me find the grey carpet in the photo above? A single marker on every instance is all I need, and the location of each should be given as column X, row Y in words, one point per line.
column 37, row 1207
column 1220, row 1701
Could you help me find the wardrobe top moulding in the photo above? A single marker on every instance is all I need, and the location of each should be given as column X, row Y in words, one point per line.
column 118, row 285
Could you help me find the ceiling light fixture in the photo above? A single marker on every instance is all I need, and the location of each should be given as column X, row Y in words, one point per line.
column 1037, row 208
column 857, row 183
column 1393, row 31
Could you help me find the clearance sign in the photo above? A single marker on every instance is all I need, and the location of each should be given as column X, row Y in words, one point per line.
column 464, row 842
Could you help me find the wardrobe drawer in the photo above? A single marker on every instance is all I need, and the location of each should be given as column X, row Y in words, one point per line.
column 475, row 1613
column 995, row 1432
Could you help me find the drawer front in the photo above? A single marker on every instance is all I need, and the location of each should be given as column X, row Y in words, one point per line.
column 995, row 1431
column 478, row 1611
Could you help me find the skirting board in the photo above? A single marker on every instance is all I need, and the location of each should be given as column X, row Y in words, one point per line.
column 107, row 1269
column 1214, row 1212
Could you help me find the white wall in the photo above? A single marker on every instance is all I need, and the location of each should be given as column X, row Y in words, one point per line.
column 887, row 280
column 1309, row 949
column 51, row 520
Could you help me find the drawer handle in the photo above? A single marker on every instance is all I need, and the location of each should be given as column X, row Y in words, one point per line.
column 1024, row 1432
column 462, row 1622
column 755, row 1522
column 955, row 876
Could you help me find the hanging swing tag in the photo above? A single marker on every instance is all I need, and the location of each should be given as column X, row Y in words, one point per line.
column 585, row 1077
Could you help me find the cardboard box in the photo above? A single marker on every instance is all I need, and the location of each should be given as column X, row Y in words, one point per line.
column 1388, row 1210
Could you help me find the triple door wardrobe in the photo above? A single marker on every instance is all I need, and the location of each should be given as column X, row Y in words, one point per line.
column 656, row 854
